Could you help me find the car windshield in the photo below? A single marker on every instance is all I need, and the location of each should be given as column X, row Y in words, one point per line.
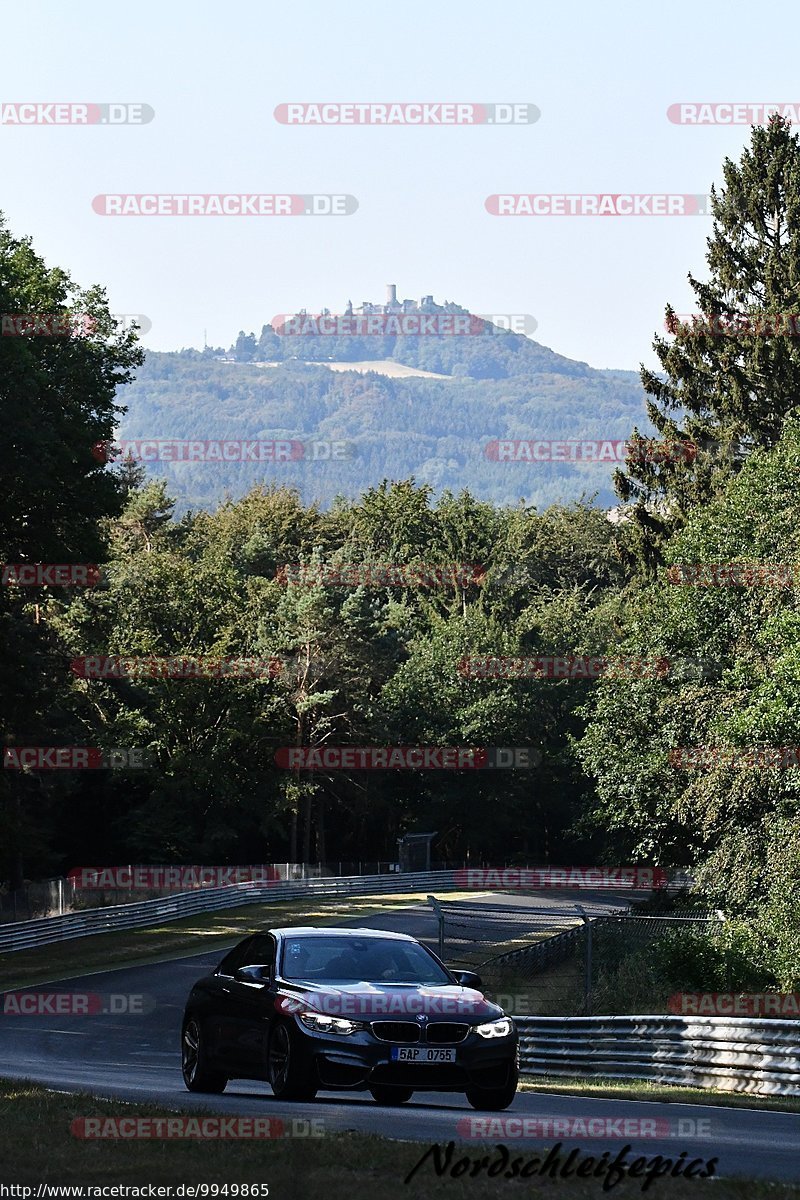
column 359, row 960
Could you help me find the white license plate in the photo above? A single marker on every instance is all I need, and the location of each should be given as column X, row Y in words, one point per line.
column 422, row 1054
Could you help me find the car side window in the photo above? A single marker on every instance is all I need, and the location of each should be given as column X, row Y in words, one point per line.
column 235, row 958
column 261, row 951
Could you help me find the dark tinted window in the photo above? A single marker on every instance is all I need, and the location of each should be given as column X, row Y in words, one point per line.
column 237, row 957
column 261, row 950
column 355, row 960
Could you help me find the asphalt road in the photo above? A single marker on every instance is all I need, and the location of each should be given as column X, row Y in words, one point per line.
column 136, row 1058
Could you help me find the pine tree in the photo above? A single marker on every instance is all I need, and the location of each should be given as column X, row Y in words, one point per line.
column 731, row 374
column 131, row 474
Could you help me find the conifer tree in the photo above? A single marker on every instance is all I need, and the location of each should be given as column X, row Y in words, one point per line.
column 732, row 373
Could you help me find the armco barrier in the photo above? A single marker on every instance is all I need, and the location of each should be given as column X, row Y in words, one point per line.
column 734, row 1054
column 26, row 934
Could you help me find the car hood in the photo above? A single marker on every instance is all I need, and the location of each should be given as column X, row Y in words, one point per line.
column 388, row 1001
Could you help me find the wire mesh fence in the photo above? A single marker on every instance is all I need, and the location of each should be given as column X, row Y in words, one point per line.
column 565, row 958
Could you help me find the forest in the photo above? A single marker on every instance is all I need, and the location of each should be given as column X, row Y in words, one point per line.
column 364, row 658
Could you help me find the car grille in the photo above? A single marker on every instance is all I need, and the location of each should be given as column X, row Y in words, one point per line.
column 446, row 1031
column 396, row 1031
column 437, row 1033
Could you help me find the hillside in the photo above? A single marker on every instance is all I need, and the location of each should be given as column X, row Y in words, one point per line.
column 495, row 386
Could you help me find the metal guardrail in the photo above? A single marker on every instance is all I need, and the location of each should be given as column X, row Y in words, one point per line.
column 25, row 935
column 733, row 1054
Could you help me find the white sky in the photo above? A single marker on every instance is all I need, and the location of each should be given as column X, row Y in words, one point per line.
column 602, row 75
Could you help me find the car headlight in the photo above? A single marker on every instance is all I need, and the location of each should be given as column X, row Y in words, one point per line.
column 320, row 1023
column 493, row 1029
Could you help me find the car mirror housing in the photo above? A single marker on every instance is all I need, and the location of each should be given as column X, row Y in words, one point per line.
column 468, row 979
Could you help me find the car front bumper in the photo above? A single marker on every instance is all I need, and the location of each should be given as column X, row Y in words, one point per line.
column 360, row 1061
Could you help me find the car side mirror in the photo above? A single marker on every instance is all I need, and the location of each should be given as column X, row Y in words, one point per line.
column 252, row 974
column 468, row 979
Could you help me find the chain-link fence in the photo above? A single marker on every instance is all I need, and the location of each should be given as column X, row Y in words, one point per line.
column 40, row 898
column 564, row 958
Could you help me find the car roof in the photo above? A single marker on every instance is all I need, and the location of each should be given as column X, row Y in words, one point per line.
column 331, row 931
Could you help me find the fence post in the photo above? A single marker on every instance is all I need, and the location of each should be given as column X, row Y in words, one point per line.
column 437, row 908
column 587, row 981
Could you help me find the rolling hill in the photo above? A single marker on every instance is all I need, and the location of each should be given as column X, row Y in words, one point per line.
column 354, row 411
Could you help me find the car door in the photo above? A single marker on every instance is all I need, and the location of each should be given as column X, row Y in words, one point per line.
column 252, row 1007
column 220, row 1025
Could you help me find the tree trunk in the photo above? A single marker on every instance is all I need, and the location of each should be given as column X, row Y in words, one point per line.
column 320, row 831
column 309, row 801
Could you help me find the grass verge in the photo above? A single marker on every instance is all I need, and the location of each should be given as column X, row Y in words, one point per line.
column 190, row 935
column 636, row 1089
column 38, row 1147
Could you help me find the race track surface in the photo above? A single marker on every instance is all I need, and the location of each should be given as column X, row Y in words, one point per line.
column 136, row 1058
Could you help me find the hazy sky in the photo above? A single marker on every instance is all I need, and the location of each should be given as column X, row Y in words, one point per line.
column 603, row 77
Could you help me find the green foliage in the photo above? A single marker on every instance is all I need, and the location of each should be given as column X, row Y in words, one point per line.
column 357, row 666
column 57, row 399
column 738, row 826
column 727, row 393
column 431, row 429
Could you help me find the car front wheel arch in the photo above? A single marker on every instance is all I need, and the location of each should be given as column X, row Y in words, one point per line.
column 289, row 1071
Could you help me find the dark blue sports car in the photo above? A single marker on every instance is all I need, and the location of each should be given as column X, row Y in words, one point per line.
column 347, row 1009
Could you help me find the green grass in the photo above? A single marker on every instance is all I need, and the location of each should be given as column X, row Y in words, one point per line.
column 37, row 1147
column 636, row 1089
column 190, row 935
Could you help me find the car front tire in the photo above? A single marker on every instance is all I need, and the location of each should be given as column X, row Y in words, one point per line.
column 196, row 1073
column 494, row 1099
column 287, row 1075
